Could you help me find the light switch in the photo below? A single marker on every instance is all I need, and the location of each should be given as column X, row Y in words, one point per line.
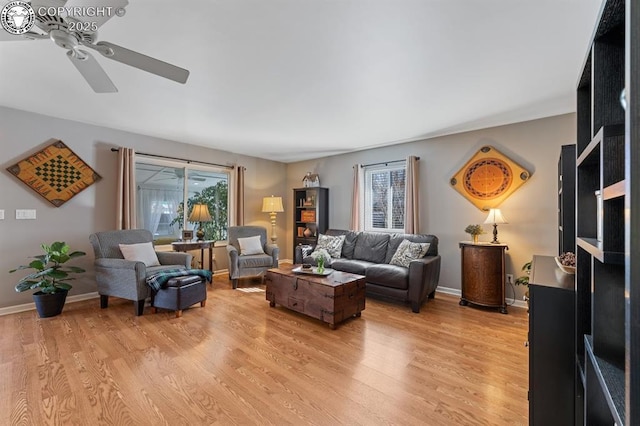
column 25, row 214
column 1, row 214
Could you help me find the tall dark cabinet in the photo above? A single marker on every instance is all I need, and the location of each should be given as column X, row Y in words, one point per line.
column 608, row 219
column 311, row 214
column 551, row 344
column 567, row 199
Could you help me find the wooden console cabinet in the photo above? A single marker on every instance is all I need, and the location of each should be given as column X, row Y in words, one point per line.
column 483, row 274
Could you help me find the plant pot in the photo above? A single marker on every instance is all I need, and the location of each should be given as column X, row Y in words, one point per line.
column 49, row 305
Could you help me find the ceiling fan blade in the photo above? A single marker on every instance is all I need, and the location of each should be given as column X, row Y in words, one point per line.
column 140, row 61
column 110, row 7
column 92, row 71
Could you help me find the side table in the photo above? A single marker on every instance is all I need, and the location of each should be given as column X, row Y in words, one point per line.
column 483, row 274
column 185, row 246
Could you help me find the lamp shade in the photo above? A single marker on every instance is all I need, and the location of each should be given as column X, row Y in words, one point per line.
column 495, row 217
column 200, row 213
column 272, row 204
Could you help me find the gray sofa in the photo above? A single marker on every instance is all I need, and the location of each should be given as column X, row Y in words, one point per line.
column 369, row 254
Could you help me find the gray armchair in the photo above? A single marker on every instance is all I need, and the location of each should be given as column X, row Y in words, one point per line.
column 125, row 278
column 241, row 266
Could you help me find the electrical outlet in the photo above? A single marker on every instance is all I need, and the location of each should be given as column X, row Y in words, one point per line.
column 510, row 278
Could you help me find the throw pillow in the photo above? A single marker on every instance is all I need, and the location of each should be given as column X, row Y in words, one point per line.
column 333, row 245
column 408, row 251
column 250, row 246
column 141, row 252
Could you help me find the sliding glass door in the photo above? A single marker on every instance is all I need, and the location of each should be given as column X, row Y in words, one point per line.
column 165, row 187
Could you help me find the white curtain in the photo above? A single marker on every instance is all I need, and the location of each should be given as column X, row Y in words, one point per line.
column 411, row 205
column 126, row 196
column 153, row 203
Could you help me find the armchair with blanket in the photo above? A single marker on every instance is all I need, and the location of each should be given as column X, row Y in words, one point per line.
column 123, row 278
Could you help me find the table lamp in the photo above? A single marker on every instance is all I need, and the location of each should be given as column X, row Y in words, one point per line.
column 272, row 205
column 495, row 217
column 200, row 213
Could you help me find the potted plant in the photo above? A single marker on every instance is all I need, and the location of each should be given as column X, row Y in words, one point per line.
column 524, row 280
column 321, row 257
column 50, row 278
column 474, row 231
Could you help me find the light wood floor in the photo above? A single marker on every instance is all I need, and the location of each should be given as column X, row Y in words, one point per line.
column 237, row 361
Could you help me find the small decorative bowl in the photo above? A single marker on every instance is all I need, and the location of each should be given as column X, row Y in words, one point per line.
column 566, row 269
column 306, row 266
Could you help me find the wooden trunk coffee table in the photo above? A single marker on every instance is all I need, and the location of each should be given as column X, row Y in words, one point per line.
column 330, row 298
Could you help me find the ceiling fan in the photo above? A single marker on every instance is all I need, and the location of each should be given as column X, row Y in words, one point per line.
column 77, row 31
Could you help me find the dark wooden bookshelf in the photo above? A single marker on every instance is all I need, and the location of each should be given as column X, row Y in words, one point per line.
column 607, row 230
column 311, row 211
column 567, row 199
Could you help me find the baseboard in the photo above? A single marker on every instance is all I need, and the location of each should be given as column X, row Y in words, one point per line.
column 457, row 292
column 94, row 295
column 31, row 306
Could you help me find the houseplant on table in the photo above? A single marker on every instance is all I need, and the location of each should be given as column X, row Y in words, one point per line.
column 50, row 278
column 474, row 231
column 321, row 256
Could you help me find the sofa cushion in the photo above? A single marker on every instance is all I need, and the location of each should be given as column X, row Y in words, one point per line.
column 250, row 246
column 333, row 245
column 371, row 246
column 396, row 239
column 349, row 245
column 407, row 252
column 255, row 261
column 351, row 265
column 388, row 275
column 140, row 252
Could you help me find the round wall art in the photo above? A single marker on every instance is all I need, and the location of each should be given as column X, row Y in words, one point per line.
column 488, row 178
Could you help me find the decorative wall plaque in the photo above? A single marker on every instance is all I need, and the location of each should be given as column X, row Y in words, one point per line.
column 56, row 173
column 488, row 178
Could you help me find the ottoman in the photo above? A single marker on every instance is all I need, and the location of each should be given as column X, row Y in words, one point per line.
column 180, row 293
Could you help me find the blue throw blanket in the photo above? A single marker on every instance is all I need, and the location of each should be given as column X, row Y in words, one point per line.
column 157, row 281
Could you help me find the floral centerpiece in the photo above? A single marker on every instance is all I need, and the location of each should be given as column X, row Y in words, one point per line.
column 321, row 256
column 474, row 231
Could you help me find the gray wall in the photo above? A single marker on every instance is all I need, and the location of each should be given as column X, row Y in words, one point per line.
column 531, row 210
column 23, row 133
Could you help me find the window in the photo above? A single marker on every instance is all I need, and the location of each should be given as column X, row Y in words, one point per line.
column 163, row 191
column 384, row 198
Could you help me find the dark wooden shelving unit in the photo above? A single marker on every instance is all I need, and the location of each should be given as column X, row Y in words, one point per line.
column 607, row 223
column 551, row 344
column 311, row 212
column 567, row 199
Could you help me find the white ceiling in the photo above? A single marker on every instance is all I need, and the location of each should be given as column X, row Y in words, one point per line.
column 297, row 79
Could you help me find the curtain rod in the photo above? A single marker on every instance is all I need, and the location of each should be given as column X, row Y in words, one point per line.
column 179, row 159
column 385, row 162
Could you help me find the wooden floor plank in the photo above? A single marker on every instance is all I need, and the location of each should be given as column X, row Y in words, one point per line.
column 239, row 361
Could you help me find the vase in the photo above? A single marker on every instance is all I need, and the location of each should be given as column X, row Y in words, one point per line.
column 320, row 268
column 49, row 304
column 475, row 239
column 308, row 233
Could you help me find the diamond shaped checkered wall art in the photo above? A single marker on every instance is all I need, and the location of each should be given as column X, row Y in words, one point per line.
column 55, row 172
